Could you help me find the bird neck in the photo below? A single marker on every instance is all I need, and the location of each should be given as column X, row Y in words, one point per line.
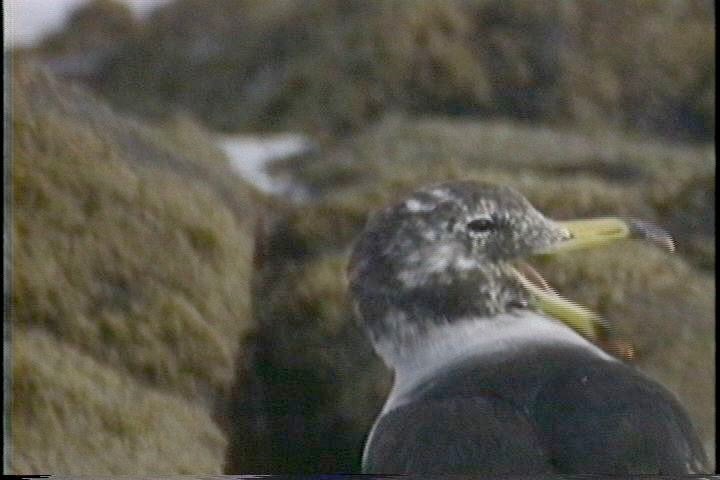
column 448, row 344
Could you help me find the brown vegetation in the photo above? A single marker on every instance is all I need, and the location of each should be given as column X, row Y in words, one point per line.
column 130, row 286
column 335, row 66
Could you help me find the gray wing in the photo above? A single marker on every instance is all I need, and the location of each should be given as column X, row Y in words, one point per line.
column 616, row 421
column 593, row 419
column 459, row 435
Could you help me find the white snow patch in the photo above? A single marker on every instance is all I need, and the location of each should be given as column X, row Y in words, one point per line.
column 250, row 154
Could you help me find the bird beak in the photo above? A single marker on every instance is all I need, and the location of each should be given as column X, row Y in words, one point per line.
column 603, row 231
column 587, row 234
column 584, row 321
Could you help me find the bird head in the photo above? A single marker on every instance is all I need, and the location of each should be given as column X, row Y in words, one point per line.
column 456, row 250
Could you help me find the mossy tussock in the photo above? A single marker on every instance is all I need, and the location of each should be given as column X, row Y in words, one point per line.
column 335, row 66
column 75, row 414
column 603, row 172
column 131, row 249
column 662, row 303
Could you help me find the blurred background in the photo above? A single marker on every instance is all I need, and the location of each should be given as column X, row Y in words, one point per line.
column 187, row 177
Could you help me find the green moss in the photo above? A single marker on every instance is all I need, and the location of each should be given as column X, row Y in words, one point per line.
column 603, row 172
column 335, row 66
column 71, row 413
column 131, row 253
column 202, row 239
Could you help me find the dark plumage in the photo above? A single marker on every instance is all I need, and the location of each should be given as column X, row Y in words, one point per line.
column 485, row 381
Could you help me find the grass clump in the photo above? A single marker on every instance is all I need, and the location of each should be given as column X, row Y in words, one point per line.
column 74, row 414
column 602, row 173
column 336, row 66
column 131, row 251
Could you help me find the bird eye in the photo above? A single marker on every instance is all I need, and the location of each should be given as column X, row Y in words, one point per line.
column 480, row 225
